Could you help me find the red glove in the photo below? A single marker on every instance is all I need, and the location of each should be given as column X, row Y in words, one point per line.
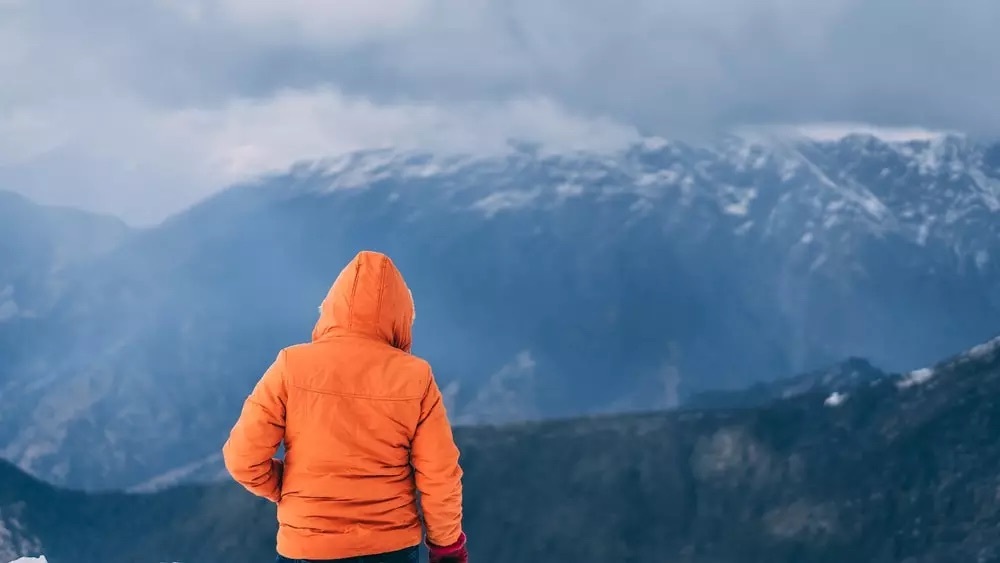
column 454, row 553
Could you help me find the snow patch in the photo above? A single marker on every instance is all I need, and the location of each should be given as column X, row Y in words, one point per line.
column 788, row 170
column 659, row 177
column 855, row 194
column 835, row 399
column 502, row 201
column 31, row 560
column 989, row 189
column 642, row 207
column 744, row 228
column 569, row 190
column 983, row 350
column 929, row 159
column 740, row 207
column 364, row 168
column 818, row 262
column 917, row 377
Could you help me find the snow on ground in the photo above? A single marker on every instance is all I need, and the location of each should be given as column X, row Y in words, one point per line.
column 835, row 399
column 30, row 560
column 985, row 349
column 915, row 378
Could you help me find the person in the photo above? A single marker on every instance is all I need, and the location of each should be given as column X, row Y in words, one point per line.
column 365, row 433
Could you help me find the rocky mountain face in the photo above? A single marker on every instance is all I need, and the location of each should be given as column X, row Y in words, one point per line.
column 547, row 285
column 902, row 468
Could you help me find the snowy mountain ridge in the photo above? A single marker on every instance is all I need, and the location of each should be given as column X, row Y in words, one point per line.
column 987, row 351
column 820, row 194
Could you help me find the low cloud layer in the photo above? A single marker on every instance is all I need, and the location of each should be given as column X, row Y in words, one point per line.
column 140, row 108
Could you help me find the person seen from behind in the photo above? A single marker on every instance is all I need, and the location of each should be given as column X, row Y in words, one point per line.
column 364, row 429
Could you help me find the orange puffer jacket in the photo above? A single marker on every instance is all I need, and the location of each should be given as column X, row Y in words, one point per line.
column 364, row 428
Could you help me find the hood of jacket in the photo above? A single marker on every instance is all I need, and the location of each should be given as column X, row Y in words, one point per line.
column 369, row 298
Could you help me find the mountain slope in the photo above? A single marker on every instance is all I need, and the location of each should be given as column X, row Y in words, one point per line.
column 546, row 284
column 37, row 242
column 41, row 248
column 904, row 469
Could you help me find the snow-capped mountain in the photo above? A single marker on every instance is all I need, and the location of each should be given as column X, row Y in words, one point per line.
column 546, row 284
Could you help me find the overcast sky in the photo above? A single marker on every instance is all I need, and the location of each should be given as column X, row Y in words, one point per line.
column 140, row 108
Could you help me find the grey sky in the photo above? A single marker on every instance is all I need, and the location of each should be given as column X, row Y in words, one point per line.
column 140, row 108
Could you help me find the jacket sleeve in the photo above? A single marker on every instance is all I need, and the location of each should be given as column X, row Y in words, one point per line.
column 434, row 457
column 254, row 440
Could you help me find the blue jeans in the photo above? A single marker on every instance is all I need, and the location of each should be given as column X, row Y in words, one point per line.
column 408, row 555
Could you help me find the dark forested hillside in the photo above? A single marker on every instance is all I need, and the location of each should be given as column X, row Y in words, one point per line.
column 897, row 468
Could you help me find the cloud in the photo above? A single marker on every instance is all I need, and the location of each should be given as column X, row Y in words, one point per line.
column 320, row 22
column 92, row 86
column 146, row 162
column 248, row 138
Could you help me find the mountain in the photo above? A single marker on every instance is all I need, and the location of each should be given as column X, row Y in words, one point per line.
column 902, row 469
column 80, row 527
column 39, row 247
column 547, row 285
column 839, row 380
column 38, row 242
